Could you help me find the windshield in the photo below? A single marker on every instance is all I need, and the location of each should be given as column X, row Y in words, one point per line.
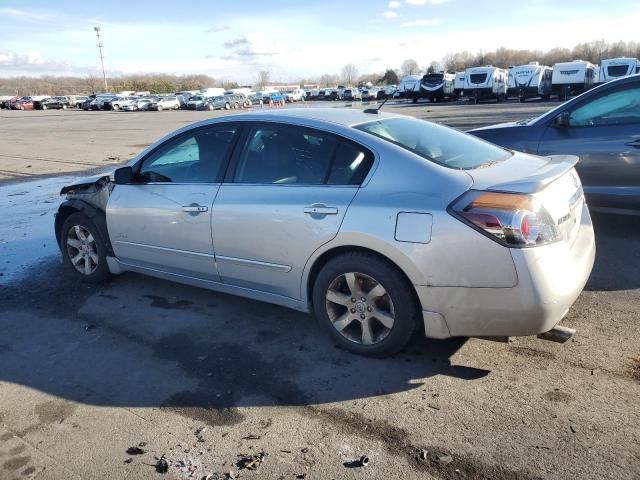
column 436, row 143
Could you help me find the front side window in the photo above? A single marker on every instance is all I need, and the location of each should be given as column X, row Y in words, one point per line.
column 617, row 108
column 438, row 144
column 193, row 158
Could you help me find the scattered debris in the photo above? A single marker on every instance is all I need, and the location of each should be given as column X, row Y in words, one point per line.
column 573, row 430
column 433, row 405
column 304, row 450
column 252, row 437
column 251, row 462
column 134, row 451
column 364, row 461
column 128, row 460
column 162, row 466
column 443, row 459
column 199, row 433
column 142, row 444
column 423, row 455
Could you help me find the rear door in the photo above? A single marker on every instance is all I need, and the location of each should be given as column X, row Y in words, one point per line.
column 163, row 220
column 285, row 195
column 605, row 133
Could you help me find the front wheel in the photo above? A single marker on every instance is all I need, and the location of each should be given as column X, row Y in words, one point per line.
column 83, row 249
column 366, row 304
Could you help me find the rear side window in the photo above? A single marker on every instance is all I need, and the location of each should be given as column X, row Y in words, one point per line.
column 442, row 145
column 284, row 154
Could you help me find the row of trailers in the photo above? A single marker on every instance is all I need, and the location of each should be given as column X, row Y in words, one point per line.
column 522, row 82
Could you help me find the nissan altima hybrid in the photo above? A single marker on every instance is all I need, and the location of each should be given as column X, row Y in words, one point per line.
column 383, row 226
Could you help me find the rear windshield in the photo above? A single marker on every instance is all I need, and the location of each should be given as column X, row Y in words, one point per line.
column 436, row 143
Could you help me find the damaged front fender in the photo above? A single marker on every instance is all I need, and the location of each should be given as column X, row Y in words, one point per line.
column 88, row 197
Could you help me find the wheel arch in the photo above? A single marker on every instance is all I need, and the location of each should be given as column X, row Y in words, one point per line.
column 95, row 215
column 322, row 258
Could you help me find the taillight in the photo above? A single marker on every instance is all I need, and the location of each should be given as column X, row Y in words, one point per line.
column 513, row 219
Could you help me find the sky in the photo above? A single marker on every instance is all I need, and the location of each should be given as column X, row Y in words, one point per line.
column 233, row 40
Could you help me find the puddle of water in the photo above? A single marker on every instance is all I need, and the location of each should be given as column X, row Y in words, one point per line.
column 26, row 224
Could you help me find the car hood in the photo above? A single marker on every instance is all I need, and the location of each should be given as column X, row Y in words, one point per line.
column 522, row 173
column 497, row 126
column 86, row 184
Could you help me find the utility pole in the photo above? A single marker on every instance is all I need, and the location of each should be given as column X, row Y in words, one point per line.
column 100, row 45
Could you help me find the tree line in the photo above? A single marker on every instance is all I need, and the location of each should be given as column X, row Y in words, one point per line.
column 503, row 57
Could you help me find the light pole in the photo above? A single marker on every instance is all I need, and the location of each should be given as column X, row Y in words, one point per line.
column 100, row 45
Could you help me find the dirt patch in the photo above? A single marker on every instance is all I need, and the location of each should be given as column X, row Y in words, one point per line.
column 557, row 396
column 17, row 450
column 532, row 353
column 634, row 368
column 6, row 436
column 28, row 471
column 16, row 463
column 162, row 302
column 54, row 411
column 426, row 458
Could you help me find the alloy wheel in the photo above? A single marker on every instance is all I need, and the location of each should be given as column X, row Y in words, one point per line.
column 360, row 308
column 82, row 250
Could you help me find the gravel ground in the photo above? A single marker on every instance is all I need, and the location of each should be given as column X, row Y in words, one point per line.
column 204, row 379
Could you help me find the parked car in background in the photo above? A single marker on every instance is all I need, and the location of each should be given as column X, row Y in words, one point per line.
column 601, row 127
column 324, row 94
column 52, row 103
column 145, row 104
column 103, row 101
column 395, row 225
column 195, row 101
column 295, row 95
column 274, row 98
column 24, row 103
column 166, row 103
column 370, row 94
column 119, row 103
column 256, row 98
column 350, row 94
column 76, row 101
column 335, row 94
column 90, row 103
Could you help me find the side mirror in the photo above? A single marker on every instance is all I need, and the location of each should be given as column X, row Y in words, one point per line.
column 123, row 175
column 562, row 120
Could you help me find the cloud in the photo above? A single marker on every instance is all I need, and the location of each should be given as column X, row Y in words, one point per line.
column 27, row 15
column 424, row 2
column 12, row 63
column 390, row 14
column 238, row 42
column 395, row 4
column 217, row 28
column 425, row 22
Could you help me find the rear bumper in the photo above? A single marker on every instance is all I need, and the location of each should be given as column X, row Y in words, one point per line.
column 550, row 279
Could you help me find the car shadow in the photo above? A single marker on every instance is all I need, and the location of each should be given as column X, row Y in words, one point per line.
column 617, row 253
column 139, row 341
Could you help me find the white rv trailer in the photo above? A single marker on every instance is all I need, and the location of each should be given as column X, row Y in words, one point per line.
column 529, row 81
column 571, row 78
column 486, row 82
column 408, row 85
column 458, row 84
column 212, row 91
column 434, row 87
column 613, row 68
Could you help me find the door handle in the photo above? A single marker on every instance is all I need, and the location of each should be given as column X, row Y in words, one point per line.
column 195, row 208
column 320, row 209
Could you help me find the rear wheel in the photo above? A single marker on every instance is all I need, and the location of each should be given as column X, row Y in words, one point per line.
column 83, row 249
column 365, row 304
column 116, row 107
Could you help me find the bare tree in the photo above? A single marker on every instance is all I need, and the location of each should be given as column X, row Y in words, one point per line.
column 92, row 83
column 434, row 67
column 410, row 67
column 263, row 78
column 349, row 73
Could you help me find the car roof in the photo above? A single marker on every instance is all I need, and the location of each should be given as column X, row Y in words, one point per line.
column 346, row 117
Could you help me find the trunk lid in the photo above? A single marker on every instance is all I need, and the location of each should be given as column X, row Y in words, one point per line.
column 552, row 180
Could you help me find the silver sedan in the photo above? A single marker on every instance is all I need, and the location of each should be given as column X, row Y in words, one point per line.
column 381, row 225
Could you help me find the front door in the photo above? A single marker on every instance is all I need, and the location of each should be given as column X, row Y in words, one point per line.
column 605, row 134
column 287, row 193
column 163, row 220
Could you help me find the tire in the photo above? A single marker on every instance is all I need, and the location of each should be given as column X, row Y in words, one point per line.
column 115, row 107
column 227, row 106
column 397, row 306
column 44, row 107
column 160, row 108
column 93, row 252
column 64, row 107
